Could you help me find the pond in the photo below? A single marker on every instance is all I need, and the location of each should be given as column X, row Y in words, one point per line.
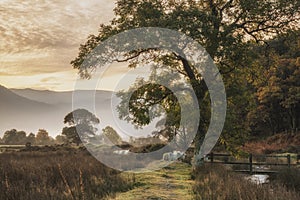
column 258, row 178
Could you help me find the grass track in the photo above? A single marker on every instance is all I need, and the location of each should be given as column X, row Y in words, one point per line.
column 172, row 183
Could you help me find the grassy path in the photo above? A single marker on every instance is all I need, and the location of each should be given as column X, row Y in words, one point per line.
column 172, row 183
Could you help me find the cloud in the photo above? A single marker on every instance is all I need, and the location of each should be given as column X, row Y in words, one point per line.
column 49, row 79
column 38, row 39
column 59, row 81
column 44, row 24
column 44, row 36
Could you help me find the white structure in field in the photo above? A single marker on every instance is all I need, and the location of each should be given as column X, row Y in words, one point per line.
column 121, row 152
column 172, row 156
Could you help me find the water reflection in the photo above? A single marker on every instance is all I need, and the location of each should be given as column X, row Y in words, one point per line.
column 258, row 178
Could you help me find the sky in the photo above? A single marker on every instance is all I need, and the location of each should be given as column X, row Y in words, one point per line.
column 39, row 38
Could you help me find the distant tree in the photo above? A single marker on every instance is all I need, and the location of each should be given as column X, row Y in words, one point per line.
column 144, row 141
column 21, row 137
column 31, row 138
column 131, row 139
column 112, row 135
column 60, row 139
column 42, row 137
column 9, row 136
column 71, row 135
column 14, row 137
column 80, row 121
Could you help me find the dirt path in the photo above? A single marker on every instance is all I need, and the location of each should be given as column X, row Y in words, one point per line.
column 170, row 183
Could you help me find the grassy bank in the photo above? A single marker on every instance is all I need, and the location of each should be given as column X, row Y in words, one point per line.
column 278, row 143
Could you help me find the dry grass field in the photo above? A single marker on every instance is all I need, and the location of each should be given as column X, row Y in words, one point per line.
column 58, row 175
column 76, row 175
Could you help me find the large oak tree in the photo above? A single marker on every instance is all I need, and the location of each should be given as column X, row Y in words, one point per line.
column 226, row 29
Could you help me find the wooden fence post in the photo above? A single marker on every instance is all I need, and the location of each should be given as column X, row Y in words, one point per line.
column 250, row 163
column 211, row 157
column 289, row 160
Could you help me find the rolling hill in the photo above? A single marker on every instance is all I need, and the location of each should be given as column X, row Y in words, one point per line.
column 27, row 114
column 13, row 101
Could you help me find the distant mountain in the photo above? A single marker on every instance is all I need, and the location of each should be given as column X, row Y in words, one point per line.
column 13, row 101
column 52, row 97
column 23, row 113
column 45, row 96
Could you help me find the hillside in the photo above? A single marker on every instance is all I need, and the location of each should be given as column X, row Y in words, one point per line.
column 53, row 97
column 25, row 114
column 279, row 143
column 13, row 101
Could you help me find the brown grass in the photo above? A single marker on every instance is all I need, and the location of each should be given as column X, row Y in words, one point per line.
column 217, row 183
column 284, row 142
column 58, row 175
column 75, row 175
column 290, row 178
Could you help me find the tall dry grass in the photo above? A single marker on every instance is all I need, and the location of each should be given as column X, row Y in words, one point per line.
column 290, row 178
column 214, row 182
column 59, row 176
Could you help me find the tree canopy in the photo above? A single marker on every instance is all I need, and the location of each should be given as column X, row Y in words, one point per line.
column 80, row 127
column 222, row 27
column 112, row 135
column 226, row 29
column 277, row 87
column 42, row 137
column 14, row 137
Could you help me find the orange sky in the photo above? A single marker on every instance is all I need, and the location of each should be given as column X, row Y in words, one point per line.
column 39, row 39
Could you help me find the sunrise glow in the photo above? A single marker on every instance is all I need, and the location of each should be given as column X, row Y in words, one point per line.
column 39, row 39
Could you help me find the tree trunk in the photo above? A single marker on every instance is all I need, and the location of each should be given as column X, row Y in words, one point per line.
column 200, row 89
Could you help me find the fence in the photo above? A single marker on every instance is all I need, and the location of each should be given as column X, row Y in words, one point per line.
column 250, row 161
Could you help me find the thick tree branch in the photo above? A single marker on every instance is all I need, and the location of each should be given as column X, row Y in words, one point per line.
column 230, row 68
column 135, row 55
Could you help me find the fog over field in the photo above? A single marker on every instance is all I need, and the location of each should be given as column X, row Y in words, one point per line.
column 30, row 110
